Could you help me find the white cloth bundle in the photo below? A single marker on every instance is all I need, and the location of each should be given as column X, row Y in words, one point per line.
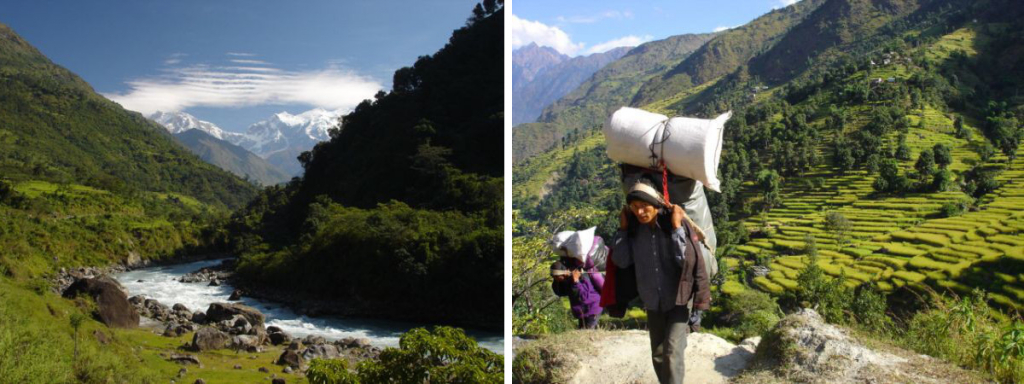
column 575, row 244
column 691, row 147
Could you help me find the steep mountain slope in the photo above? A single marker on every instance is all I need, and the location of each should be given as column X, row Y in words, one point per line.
column 231, row 157
column 726, row 53
column 833, row 145
column 610, row 87
column 399, row 213
column 530, row 60
column 55, row 127
column 529, row 95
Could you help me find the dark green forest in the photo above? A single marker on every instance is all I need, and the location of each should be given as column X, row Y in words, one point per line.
column 401, row 211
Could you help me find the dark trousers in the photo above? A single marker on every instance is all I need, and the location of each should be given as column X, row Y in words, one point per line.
column 668, row 331
column 588, row 322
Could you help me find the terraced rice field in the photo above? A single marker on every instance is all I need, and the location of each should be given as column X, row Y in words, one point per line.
column 900, row 241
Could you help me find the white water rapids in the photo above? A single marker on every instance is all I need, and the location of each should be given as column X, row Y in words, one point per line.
column 160, row 283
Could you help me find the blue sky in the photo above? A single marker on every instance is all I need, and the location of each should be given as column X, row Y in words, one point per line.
column 577, row 27
column 236, row 62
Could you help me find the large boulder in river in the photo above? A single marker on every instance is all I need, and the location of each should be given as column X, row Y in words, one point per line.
column 226, row 311
column 112, row 306
column 208, row 338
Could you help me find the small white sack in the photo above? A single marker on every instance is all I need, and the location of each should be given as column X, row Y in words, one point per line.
column 692, row 147
column 574, row 244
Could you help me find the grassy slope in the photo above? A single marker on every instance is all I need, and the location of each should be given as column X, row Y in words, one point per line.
column 37, row 346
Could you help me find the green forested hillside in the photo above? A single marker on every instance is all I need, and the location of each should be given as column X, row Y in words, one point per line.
column 609, row 88
column 84, row 182
column 399, row 214
column 231, row 157
column 886, row 158
column 54, row 127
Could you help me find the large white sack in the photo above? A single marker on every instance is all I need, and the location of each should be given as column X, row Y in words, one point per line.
column 692, row 148
column 575, row 244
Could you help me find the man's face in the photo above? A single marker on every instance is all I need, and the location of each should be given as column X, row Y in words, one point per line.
column 644, row 211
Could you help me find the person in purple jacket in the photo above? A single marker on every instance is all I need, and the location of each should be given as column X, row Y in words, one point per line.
column 584, row 297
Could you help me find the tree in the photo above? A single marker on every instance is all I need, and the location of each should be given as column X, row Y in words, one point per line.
column 769, row 181
column 943, row 158
column 902, row 150
column 838, row 225
column 925, row 165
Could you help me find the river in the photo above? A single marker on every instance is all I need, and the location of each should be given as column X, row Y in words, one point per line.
column 160, row 283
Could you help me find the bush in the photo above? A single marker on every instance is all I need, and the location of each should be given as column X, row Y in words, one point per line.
column 330, row 372
column 968, row 332
column 442, row 355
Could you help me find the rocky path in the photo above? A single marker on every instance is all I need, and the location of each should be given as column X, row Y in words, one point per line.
column 625, row 357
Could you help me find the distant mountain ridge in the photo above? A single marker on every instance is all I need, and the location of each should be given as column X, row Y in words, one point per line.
column 231, row 157
column 610, row 87
column 279, row 139
column 541, row 75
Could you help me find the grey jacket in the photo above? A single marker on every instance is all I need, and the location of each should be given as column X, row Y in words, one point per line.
column 658, row 259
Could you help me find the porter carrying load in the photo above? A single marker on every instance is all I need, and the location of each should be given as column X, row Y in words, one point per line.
column 680, row 155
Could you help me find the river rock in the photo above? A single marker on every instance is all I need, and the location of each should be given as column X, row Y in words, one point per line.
column 133, row 260
column 278, row 336
column 291, row 358
column 295, row 345
column 264, row 370
column 200, row 381
column 320, row 351
column 214, row 283
column 180, row 307
column 226, row 311
column 199, row 317
column 113, row 308
column 184, row 359
column 137, row 300
column 207, row 338
column 314, row 340
column 277, row 380
column 236, row 295
column 287, row 370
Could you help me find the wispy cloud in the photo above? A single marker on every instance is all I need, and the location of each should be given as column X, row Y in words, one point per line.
column 174, row 58
column 626, row 41
column 723, row 28
column 523, row 32
column 203, row 85
column 241, row 54
column 593, row 18
column 247, row 61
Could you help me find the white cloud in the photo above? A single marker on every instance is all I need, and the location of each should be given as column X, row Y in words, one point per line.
column 245, row 61
column 242, row 86
column 723, row 28
column 242, row 54
column 523, row 32
column 786, row 3
column 627, row 41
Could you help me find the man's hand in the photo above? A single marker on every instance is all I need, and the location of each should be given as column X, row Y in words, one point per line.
column 678, row 215
column 576, row 275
